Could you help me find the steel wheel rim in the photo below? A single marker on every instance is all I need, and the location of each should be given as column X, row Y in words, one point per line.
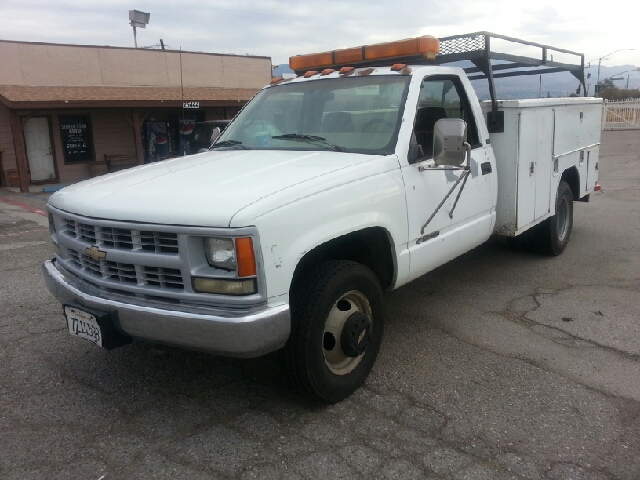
column 335, row 359
column 563, row 219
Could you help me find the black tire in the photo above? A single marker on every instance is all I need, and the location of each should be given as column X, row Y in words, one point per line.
column 335, row 295
column 552, row 235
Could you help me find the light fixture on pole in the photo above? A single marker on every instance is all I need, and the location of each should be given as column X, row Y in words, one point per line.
column 138, row 19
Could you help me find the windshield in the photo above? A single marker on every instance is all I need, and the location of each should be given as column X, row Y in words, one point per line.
column 352, row 114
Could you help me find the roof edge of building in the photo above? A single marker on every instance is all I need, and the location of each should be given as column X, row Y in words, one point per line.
column 132, row 48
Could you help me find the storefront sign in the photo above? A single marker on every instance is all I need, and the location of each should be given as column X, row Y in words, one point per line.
column 190, row 104
column 75, row 132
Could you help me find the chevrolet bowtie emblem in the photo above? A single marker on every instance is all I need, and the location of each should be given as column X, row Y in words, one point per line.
column 95, row 253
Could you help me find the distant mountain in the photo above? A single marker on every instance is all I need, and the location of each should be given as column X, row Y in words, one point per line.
column 533, row 86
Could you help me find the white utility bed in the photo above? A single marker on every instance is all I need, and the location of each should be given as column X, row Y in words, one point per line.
column 542, row 138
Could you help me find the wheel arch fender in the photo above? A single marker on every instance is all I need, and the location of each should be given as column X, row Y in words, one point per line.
column 372, row 247
column 572, row 177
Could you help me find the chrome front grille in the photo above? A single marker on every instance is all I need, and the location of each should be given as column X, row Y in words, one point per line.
column 86, row 232
column 121, row 272
column 160, row 242
column 122, row 238
column 138, row 262
column 90, row 265
column 149, row 263
column 163, row 277
column 69, row 227
column 116, row 238
column 126, row 273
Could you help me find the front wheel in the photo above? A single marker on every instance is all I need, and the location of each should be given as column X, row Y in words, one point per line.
column 336, row 330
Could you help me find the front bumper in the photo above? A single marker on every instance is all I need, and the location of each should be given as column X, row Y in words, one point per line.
column 229, row 333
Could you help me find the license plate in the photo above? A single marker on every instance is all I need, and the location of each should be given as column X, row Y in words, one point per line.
column 83, row 324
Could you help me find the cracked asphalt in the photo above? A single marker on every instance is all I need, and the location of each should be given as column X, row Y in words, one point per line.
column 500, row 365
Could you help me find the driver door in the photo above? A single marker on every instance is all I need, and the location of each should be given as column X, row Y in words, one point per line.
column 450, row 232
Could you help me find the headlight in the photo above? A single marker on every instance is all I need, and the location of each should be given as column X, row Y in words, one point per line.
column 221, row 253
column 232, row 254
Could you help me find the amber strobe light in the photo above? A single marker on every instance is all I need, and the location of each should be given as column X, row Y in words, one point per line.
column 426, row 46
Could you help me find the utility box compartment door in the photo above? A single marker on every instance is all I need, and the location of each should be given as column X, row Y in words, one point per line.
column 535, row 144
column 577, row 140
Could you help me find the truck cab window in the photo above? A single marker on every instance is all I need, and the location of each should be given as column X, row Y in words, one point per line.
column 441, row 97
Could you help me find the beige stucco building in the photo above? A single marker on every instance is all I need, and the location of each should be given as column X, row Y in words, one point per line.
column 66, row 109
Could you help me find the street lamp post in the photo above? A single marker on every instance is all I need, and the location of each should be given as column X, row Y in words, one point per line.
column 600, row 61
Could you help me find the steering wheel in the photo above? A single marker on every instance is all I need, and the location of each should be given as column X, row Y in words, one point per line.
column 377, row 125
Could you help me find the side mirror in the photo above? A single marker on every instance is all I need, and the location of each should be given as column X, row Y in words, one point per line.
column 449, row 139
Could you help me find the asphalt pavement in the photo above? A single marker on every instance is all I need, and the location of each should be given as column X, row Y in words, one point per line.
column 499, row 365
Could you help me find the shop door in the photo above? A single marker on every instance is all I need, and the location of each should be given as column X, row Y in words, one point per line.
column 36, row 134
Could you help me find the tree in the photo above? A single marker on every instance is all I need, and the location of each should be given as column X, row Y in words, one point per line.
column 606, row 83
column 614, row 93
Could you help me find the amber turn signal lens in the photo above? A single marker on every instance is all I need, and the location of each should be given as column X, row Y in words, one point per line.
column 246, row 257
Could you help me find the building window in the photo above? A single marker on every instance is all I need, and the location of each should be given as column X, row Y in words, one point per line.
column 77, row 140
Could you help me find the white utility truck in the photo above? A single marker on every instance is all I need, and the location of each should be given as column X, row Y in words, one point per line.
column 374, row 166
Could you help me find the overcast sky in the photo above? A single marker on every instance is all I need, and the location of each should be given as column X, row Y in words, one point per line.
column 281, row 28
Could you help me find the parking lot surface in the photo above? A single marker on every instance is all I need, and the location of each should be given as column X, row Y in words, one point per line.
column 500, row 365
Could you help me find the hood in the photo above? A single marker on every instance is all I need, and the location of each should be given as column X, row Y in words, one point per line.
column 202, row 190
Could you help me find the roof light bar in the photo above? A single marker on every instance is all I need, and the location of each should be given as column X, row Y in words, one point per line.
column 426, row 46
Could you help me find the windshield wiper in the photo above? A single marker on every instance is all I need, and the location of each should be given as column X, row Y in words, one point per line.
column 314, row 138
column 229, row 143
